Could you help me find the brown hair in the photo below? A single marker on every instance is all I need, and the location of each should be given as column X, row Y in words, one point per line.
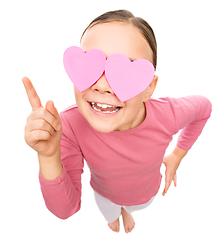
column 127, row 16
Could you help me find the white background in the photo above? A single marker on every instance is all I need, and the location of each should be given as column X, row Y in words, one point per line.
column 34, row 35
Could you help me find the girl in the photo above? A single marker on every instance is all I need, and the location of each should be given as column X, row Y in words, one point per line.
column 116, row 127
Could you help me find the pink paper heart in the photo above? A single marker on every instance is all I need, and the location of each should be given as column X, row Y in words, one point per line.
column 127, row 79
column 84, row 69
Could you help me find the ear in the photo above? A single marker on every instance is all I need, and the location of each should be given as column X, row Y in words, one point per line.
column 151, row 88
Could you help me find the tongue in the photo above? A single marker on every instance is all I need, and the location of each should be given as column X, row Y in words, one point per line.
column 105, row 109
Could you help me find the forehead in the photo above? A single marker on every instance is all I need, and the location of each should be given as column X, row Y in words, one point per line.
column 117, row 37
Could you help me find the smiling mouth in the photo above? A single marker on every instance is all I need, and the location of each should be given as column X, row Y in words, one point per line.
column 104, row 108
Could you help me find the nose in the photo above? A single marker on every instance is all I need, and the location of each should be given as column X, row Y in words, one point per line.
column 102, row 86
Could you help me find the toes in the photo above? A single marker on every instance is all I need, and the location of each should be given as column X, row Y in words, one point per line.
column 113, row 228
column 117, row 229
column 129, row 229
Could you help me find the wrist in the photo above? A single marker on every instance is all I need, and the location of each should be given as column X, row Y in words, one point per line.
column 51, row 167
column 180, row 153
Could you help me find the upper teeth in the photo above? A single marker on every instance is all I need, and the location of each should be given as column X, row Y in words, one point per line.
column 103, row 105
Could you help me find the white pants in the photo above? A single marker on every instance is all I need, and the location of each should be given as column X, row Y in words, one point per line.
column 112, row 211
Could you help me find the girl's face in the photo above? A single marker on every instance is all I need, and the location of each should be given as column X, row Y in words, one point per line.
column 110, row 38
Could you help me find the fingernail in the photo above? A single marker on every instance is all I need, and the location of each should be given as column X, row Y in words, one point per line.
column 58, row 127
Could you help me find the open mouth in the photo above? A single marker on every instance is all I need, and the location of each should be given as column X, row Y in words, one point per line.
column 104, row 108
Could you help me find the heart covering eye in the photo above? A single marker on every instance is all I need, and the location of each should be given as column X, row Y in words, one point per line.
column 84, row 69
column 127, row 79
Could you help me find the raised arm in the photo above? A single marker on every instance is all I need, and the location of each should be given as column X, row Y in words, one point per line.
column 43, row 132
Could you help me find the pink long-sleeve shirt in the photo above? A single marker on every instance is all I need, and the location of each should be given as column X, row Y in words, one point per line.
column 124, row 165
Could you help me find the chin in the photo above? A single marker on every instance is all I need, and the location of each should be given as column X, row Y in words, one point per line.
column 102, row 129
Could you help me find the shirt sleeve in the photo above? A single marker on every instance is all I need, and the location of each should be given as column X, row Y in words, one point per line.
column 191, row 114
column 63, row 195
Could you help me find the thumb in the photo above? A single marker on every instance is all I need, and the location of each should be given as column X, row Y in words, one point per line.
column 51, row 108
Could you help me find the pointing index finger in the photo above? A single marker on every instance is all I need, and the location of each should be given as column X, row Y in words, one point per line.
column 32, row 94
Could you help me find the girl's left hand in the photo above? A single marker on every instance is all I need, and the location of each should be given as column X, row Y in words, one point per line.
column 171, row 162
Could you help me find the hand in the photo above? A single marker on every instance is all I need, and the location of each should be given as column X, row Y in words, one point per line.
column 172, row 162
column 43, row 128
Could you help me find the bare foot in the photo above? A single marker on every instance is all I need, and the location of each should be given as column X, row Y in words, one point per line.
column 128, row 220
column 115, row 226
